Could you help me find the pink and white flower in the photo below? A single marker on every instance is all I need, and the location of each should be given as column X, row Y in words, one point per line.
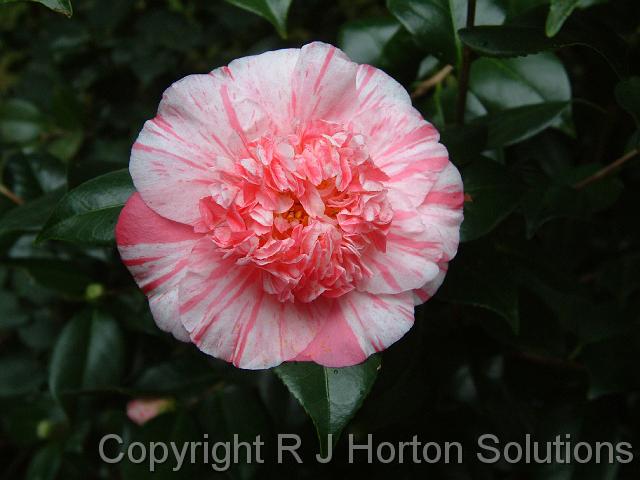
column 291, row 206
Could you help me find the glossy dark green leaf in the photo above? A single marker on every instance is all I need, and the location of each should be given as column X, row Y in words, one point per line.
column 60, row 6
column 60, row 276
column 31, row 176
column 364, row 41
column 492, row 193
column 517, row 124
column 275, row 11
column 175, row 375
column 557, row 198
column 31, row 216
column 521, row 40
column 558, row 14
column 513, row 82
column 20, row 121
column 481, row 277
column 464, row 143
column 88, row 213
column 381, row 42
column 628, row 96
column 88, row 355
column 435, row 23
column 330, row 396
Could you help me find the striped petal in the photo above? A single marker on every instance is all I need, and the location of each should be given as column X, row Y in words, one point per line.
column 357, row 325
column 324, row 84
column 400, row 141
column 228, row 315
column 155, row 251
column 443, row 208
column 420, row 242
column 204, row 120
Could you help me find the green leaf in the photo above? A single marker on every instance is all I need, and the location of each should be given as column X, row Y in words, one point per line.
column 19, row 374
column 464, row 142
column 45, row 464
column 275, row 11
column 31, row 176
column 517, row 124
column 611, row 364
column 20, row 121
column 88, row 355
column 365, row 41
column 555, row 197
column 513, row 82
column 31, row 216
column 176, row 428
column 500, row 84
column 435, row 23
column 521, row 40
column 175, row 376
column 88, row 213
column 381, row 42
column 494, row 193
column 330, row 396
column 480, row 277
column 60, row 6
column 558, row 14
column 628, row 96
column 62, row 276
column 11, row 315
column 235, row 411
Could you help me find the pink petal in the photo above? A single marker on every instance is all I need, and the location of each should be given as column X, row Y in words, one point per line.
column 155, row 250
column 400, row 141
column 228, row 315
column 324, row 84
column 442, row 208
column 357, row 325
column 204, row 120
column 420, row 242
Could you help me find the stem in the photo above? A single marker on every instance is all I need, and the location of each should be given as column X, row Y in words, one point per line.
column 10, row 195
column 608, row 170
column 431, row 82
column 463, row 85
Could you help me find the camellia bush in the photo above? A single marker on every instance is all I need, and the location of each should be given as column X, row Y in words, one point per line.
column 216, row 218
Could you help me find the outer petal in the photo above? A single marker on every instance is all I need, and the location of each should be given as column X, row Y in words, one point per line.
column 420, row 242
column 357, row 325
column 442, row 209
column 400, row 141
column 228, row 315
column 202, row 118
column 324, row 84
column 155, row 250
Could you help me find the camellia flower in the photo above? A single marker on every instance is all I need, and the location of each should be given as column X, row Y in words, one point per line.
column 291, row 206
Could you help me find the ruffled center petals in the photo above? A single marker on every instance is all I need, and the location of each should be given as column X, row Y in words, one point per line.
column 302, row 210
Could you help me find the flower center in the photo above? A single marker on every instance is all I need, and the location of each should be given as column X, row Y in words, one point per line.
column 303, row 209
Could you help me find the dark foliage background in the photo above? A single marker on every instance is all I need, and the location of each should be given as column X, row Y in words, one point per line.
column 535, row 330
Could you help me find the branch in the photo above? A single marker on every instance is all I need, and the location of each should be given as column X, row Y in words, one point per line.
column 431, row 82
column 10, row 195
column 463, row 85
column 608, row 170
